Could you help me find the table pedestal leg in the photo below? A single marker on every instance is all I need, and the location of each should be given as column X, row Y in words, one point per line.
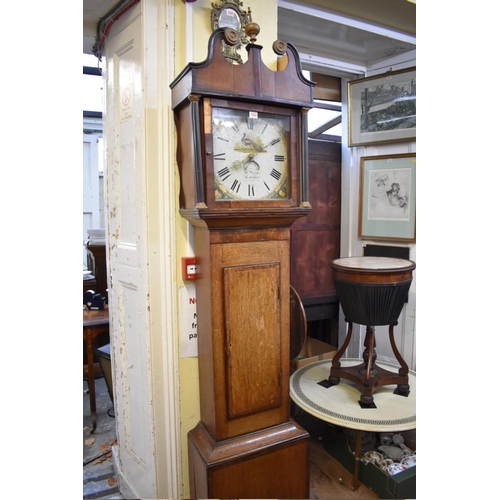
column 334, row 380
column 95, row 323
column 369, row 370
column 404, row 388
column 91, row 383
column 368, row 375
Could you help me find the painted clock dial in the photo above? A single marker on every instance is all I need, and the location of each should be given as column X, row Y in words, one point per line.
column 250, row 154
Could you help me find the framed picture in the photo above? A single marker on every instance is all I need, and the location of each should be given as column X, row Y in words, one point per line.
column 383, row 108
column 387, row 189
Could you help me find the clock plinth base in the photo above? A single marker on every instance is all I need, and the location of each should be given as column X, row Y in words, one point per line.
column 270, row 463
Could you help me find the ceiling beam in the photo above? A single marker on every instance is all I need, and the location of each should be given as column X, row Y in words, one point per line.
column 346, row 21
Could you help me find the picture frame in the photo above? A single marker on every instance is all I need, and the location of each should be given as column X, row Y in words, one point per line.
column 382, row 108
column 387, row 204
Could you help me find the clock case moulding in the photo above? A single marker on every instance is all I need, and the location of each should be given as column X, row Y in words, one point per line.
column 251, row 86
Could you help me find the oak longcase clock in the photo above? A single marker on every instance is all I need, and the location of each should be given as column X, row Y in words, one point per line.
column 242, row 157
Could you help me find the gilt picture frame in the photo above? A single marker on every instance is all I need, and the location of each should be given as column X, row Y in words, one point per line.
column 387, row 192
column 382, row 108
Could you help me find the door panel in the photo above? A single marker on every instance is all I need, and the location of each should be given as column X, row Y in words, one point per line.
column 127, row 237
column 253, row 335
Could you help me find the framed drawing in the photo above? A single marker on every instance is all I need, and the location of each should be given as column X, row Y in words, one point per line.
column 387, row 189
column 383, row 108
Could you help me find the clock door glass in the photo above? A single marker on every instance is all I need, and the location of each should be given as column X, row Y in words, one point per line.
column 250, row 154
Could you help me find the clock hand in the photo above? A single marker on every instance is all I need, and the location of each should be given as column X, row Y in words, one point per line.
column 263, row 150
column 259, row 149
column 251, row 156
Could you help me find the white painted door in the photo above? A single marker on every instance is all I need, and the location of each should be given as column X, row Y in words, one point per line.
column 127, row 254
column 91, row 217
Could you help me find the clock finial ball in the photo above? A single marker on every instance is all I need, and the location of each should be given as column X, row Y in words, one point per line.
column 252, row 29
column 231, row 36
column 280, row 47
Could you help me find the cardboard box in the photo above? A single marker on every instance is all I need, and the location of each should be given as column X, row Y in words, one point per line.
column 402, row 485
column 314, row 350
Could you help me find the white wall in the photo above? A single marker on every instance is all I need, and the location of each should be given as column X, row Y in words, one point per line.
column 351, row 245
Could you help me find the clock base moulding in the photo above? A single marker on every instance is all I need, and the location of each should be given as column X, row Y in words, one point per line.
column 269, row 465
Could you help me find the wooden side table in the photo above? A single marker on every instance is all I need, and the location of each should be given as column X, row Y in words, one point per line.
column 95, row 323
column 372, row 291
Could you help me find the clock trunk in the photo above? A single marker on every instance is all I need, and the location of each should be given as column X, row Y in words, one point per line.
column 243, row 343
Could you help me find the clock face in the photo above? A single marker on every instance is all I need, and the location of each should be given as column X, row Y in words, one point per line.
column 250, row 154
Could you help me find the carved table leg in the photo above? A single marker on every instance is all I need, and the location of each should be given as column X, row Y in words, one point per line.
column 95, row 323
column 91, row 382
column 369, row 354
column 369, row 370
column 402, row 389
column 336, row 359
column 368, row 375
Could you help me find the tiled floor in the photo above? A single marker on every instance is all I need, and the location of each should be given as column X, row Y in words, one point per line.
column 98, row 471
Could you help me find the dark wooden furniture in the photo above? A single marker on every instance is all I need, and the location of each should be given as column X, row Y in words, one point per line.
column 97, row 264
column 95, row 324
column 246, row 445
column 298, row 324
column 315, row 242
column 89, row 283
column 386, row 251
column 372, row 291
column 104, row 355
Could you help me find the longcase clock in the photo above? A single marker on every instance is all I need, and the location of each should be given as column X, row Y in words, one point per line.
column 242, row 157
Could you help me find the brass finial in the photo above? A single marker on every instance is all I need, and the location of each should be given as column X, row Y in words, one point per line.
column 252, row 29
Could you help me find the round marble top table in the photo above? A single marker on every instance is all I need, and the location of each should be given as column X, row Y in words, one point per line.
column 338, row 404
column 374, row 263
